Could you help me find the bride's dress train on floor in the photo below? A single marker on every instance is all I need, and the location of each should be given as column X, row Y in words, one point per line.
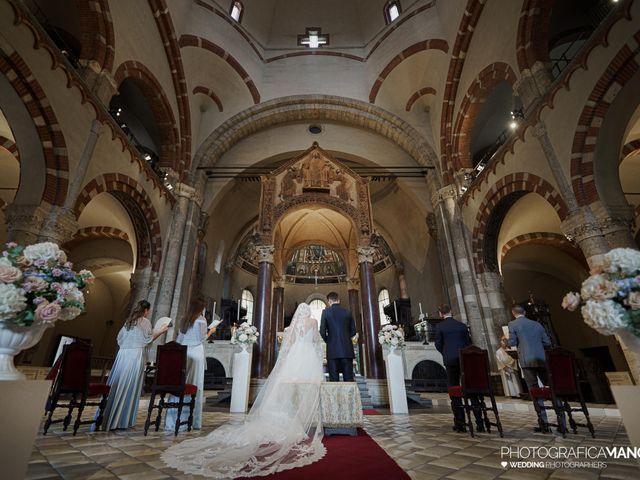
column 283, row 430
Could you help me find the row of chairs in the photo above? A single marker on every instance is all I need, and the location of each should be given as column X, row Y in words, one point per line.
column 72, row 388
column 475, row 383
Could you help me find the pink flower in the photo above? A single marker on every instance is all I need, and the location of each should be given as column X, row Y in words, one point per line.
column 39, row 300
column 47, row 312
column 34, row 284
column 10, row 274
column 56, row 272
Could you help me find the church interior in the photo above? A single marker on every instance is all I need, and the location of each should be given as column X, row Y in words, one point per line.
column 260, row 154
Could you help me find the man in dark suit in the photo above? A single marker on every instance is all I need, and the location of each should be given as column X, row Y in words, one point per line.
column 451, row 337
column 530, row 337
column 337, row 327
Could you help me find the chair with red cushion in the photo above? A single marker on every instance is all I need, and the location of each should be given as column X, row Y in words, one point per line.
column 171, row 367
column 72, row 384
column 476, row 384
column 563, row 387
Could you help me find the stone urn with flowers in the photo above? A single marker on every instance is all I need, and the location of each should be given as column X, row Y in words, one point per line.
column 38, row 287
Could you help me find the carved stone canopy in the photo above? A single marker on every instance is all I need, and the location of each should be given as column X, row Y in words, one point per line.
column 314, row 178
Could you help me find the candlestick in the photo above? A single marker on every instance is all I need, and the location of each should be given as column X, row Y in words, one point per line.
column 395, row 310
column 420, row 305
column 214, row 307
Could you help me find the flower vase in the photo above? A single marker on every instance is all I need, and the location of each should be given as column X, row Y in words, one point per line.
column 245, row 347
column 14, row 339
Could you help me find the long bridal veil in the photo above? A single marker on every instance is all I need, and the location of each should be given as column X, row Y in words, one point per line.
column 283, row 430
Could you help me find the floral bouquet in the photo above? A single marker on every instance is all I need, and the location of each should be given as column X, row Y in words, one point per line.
column 610, row 297
column 38, row 286
column 391, row 336
column 245, row 334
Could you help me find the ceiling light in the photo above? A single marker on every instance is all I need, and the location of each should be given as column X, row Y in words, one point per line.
column 513, row 125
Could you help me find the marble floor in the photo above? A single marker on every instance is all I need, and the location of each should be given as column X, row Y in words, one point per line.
column 422, row 443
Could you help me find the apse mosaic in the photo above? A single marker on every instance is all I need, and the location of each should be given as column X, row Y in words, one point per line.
column 315, row 264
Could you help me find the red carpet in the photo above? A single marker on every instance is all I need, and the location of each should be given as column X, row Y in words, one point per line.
column 371, row 412
column 355, row 458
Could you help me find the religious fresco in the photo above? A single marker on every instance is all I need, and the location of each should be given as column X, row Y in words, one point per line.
column 315, row 264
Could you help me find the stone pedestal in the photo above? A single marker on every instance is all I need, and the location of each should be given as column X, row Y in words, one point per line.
column 241, row 379
column 395, row 383
column 23, row 403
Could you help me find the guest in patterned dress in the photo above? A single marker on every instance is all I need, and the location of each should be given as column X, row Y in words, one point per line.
column 193, row 333
column 128, row 369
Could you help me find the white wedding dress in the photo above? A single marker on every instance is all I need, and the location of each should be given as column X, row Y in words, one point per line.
column 283, row 429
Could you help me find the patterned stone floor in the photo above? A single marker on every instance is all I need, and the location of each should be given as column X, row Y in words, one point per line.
column 422, row 443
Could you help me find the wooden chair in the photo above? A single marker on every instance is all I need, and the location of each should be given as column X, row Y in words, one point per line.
column 171, row 363
column 72, row 384
column 476, row 384
column 563, row 387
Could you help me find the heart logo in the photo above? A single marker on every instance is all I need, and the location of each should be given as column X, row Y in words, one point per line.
column 504, row 464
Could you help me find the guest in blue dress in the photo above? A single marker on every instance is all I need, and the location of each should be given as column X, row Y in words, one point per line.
column 127, row 373
column 193, row 333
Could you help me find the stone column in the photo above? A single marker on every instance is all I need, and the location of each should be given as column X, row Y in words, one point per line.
column 402, row 281
column 354, row 306
column 175, row 236
column 24, row 222
column 500, row 311
column 370, row 315
column 533, row 84
column 262, row 359
column 582, row 227
column 141, row 282
column 278, row 305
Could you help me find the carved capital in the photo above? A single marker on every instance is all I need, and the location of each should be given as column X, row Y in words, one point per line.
column 265, row 253
column 59, row 226
column 444, row 193
column 353, row 283
column 187, row 191
column 24, row 222
column 365, row 254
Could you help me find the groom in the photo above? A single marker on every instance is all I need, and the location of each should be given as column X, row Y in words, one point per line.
column 336, row 328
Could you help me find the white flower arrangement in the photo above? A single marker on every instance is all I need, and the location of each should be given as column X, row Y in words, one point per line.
column 610, row 297
column 245, row 334
column 38, row 285
column 391, row 336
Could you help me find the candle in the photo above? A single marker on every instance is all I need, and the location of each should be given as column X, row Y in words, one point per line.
column 238, row 311
column 395, row 310
column 214, row 307
column 420, row 305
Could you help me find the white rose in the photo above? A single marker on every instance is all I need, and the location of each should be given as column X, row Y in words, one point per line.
column 571, row 301
column 72, row 293
column 597, row 287
column 243, row 337
column 623, row 260
column 69, row 313
column 605, row 317
column 5, row 262
column 42, row 251
column 394, row 341
column 12, row 301
column 381, row 340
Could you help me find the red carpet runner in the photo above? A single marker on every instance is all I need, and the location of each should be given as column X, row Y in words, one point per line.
column 353, row 458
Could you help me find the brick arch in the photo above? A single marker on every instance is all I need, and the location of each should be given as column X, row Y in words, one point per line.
column 416, row 95
column 52, row 141
column 470, row 107
column 465, row 31
column 619, row 71
column 138, row 205
column 209, row 93
column 497, row 202
column 96, row 30
column 628, row 148
column 96, row 233
column 433, row 44
column 11, row 146
column 160, row 106
column 532, row 38
column 199, row 42
column 544, row 238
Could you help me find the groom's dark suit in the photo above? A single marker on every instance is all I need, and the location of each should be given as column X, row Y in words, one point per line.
column 336, row 328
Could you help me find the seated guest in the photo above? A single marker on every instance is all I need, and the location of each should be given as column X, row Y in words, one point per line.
column 451, row 337
column 128, row 369
column 508, row 370
column 530, row 337
column 193, row 333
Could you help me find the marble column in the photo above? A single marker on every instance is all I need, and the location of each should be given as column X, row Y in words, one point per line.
column 262, row 359
column 354, row 307
column 373, row 364
column 402, row 281
column 278, row 305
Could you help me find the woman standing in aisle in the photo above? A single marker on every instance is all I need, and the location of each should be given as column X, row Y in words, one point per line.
column 127, row 372
column 193, row 333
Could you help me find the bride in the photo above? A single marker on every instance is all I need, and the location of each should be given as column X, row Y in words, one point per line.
column 283, row 429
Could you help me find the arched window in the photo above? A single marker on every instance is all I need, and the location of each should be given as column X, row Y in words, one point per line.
column 383, row 301
column 237, row 9
column 247, row 302
column 392, row 10
column 317, row 306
